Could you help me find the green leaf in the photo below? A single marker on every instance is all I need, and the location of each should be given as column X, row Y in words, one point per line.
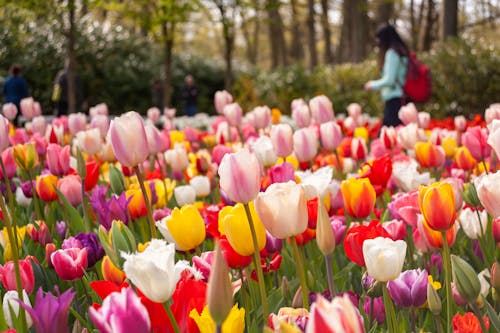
column 494, row 317
column 75, row 221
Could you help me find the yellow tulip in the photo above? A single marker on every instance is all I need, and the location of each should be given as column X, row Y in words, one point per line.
column 234, row 224
column 361, row 132
column 20, row 232
column 450, row 146
column 25, row 156
column 176, row 137
column 186, row 227
column 234, row 323
column 437, row 204
column 164, row 191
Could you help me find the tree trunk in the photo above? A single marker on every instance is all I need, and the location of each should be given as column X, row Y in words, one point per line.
column 71, row 59
column 425, row 37
column 228, row 57
column 327, row 35
column 251, row 36
column 276, row 35
column 449, row 19
column 297, row 49
column 384, row 11
column 354, row 36
column 168, row 30
column 313, row 53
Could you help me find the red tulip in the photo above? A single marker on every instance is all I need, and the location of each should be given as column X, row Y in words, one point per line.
column 70, row 264
column 8, row 276
column 378, row 172
column 233, row 259
column 355, row 237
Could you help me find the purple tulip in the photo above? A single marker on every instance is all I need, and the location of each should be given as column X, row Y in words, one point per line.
column 410, row 288
column 94, row 249
column 338, row 229
column 114, row 208
column 50, row 313
column 121, row 312
column 273, row 244
column 378, row 310
column 61, row 229
column 27, row 188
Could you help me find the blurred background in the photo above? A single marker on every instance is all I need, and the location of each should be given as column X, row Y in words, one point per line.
column 134, row 54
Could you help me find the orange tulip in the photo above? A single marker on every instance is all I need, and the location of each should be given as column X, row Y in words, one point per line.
column 137, row 205
column 110, row 272
column 429, row 155
column 46, row 187
column 359, row 196
column 437, row 204
column 432, row 238
column 464, row 159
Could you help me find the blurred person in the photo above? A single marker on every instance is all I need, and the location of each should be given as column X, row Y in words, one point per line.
column 60, row 95
column 189, row 96
column 15, row 88
column 392, row 59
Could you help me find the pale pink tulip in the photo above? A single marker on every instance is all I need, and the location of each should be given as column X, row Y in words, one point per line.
column 301, row 115
column 262, row 116
column 330, row 134
column 408, row 114
column 9, row 110
column 354, row 110
column 296, row 103
column 30, row 108
column 156, row 141
column 221, row 99
column 240, row 176
column 58, row 159
column 233, row 114
column 39, row 124
column 89, row 141
column 488, row 191
column 491, row 113
column 460, row 123
column 128, row 138
column 424, row 119
column 282, row 138
column 494, row 136
column 77, row 122
column 321, row 109
column 4, row 133
column 101, row 122
column 71, row 187
column 177, row 159
column 154, row 114
column 101, row 108
column 305, row 144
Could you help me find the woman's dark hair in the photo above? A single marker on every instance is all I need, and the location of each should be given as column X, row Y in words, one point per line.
column 388, row 38
column 15, row 70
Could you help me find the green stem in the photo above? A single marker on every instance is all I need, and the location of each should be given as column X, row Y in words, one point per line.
column 389, row 310
column 146, row 201
column 258, row 267
column 245, row 301
column 439, row 327
column 302, row 276
column 329, row 274
column 80, row 319
column 483, row 242
column 15, row 259
column 36, row 199
column 173, row 321
column 475, row 308
column 447, row 276
column 10, row 195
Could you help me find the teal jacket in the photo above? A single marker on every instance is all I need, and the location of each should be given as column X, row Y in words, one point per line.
column 393, row 76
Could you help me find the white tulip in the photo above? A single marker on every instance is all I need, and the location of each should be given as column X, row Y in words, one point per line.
column 185, row 194
column 470, row 224
column 264, row 151
column 10, row 301
column 201, row 185
column 384, row 258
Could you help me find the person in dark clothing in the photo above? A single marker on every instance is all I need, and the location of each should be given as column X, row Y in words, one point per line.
column 60, row 95
column 15, row 88
column 189, row 96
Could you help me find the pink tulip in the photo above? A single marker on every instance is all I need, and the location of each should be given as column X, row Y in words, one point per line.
column 358, row 149
column 458, row 188
column 396, row 229
column 282, row 138
column 460, row 123
column 218, row 153
column 221, row 99
column 8, row 275
column 20, row 136
column 494, row 136
column 71, row 187
column 9, row 163
column 354, row 110
column 409, row 135
column 169, row 112
column 488, row 191
column 404, row 206
column 340, row 315
column 62, row 122
column 4, row 133
column 156, row 141
column 423, row 119
column 296, row 103
column 154, row 114
column 77, row 122
column 101, row 108
column 39, row 124
column 330, row 134
column 240, row 176
column 40, row 144
column 491, row 113
column 262, row 116
column 282, row 173
column 30, row 108
column 70, row 264
column 222, row 135
column 129, row 140
column 89, row 141
column 305, row 144
column 301, row 116
column 388, row 137
column 233, row 114
column 408, row 114
column 9, row 110
column 321, row 109
column 101, row 122
column 475, row 139
column 58, row 159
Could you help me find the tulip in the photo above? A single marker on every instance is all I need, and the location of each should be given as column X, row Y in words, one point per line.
column 305, row 144
column 262, row 116
column 488, row 192
column 39, row 233
column 118, row 239
column 234, row 323
column 460, row 123
column 388, row 136
column 321, row 109
column 424, row 119
column 39, row 125
column 4, row 133
column 77, row 122
column 340, row 315
column 234, row 224
column 30, row 108
column 100, row 108
column 409, row 135
column 464, row 159
column 219, row 291
column 469, row 323
column 10, row 306
column 185, row 194
column 429, row 155
column 325, row 236
column 287, row 316
column 25, row 156
column 201, row 185
column 282, row 173
column 9, row 111
column 70, row 264
column 384, row 258
column 129, row 140
column 433, row 239
column 9, row 163
column 89, row 141
column 58, row 159
column 8, row 276
column 473, row 228
column 221, row 99
column 358, row 149
column 110, row 272
column 263, row 149
column 437, row 204
column 282, row 138
column 378, row 171
column 94, row 248
column 233, row 114
column 433, row 300
column 153, row 114
column 121, row 312
column 240, row 176
column 283, row 209
column 359, row 197
column 156, row 141
column 330, row 134
column 46, row 187
column 409, row 289
column 186, row 227
column 494, row 136
column 396, row 229
column 153, row 270
column 475, row 139
column 376, row 309
column 408, row 114
column 495, row 226
column 301, row 115
column 177, row 159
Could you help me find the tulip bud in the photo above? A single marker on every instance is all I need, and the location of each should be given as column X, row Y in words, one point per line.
column 324, row 232
column 495, row 276
column 49, row 249
column 433, row 300
column 297, row 301
column 470, row 195
column 219, row 290
column 465, row 278
column 116, row 180
column 118, row 239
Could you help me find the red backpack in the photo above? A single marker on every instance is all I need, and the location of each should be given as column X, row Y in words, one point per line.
column 418, row 85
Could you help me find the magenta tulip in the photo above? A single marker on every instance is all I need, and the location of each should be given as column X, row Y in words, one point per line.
column 70, row 264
